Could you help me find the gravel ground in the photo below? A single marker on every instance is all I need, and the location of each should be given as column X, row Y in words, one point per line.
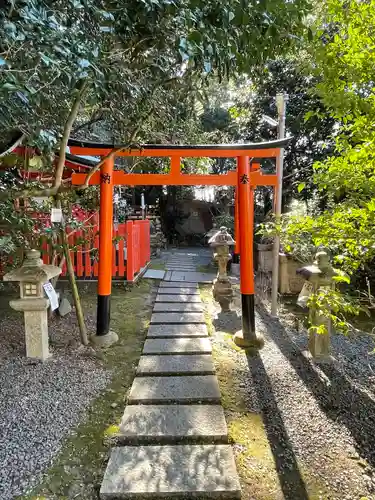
column 319, row 420
column 40, row 403
column 355, row 354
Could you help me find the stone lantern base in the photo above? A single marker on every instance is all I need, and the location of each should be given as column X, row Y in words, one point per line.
column 223, row 293
column 320, row 346
column 36, row 326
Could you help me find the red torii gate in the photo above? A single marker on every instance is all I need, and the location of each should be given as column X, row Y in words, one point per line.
column 245, row 179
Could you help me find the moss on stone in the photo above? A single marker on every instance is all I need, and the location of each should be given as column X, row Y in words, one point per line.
column 111, row 430
column 158, row 265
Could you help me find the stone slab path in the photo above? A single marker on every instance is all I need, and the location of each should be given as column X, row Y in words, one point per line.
column 177, row 307
column 177, row 331
column 179, row 298
column 173, row 439
column 177, row 318
column 178, row 290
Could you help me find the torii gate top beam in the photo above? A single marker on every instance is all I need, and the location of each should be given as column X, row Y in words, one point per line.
column 175, row 177
column 269, row 149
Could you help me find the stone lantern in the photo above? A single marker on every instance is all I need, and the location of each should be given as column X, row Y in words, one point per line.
column 318, row 275
column 31, row 276
column 222, row 289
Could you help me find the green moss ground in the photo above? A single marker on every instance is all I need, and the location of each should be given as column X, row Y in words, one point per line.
column 158, row 265
column 77, row 471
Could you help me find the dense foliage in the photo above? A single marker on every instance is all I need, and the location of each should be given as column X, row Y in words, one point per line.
column 344, row 58
column 128, row 55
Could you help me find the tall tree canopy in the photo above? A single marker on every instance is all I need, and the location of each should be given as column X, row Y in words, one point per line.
column 344, row 59
column 127, row 55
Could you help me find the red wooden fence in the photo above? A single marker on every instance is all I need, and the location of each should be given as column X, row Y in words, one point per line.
column 131, row 250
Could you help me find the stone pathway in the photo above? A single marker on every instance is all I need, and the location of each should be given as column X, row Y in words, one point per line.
column 173, row 436
column 182, row 266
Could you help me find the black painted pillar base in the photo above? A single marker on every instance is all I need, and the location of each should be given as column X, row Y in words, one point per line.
column 104, row 336
column 247, row 337
column 248, row 316
column 103, row 315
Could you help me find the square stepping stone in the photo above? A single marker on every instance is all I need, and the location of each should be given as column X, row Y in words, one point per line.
column 178, row 307
column 177, row 364
column 186, row 389
column 172, row 423
column 180, row 265
column 154, row 274
column 177, row 318
column 193, row 276
column 180, row 298
column 199, row 345
column 182, row 269
column 181, row 290
column 181, row 262
column 174, row 284
column 165, row 331
column 182, row 471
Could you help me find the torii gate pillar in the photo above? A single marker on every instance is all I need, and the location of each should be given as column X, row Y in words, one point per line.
column 247, row 338
column 104, row 336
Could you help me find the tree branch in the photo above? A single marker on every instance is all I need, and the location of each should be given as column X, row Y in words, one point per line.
column 99, row 116
column 64, row 140
column 13, row 146
column 108, row 156
column 98, row 165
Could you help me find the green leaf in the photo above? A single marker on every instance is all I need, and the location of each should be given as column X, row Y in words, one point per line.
column 342, row 278
column 309, row 115
column 9, row 86
column 301, row 186
column 47, row 60
column 195, row 36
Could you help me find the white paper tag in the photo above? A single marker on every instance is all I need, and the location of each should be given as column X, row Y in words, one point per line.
column 56, row 215
column 52, row 295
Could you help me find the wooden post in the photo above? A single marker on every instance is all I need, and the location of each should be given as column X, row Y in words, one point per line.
column 129, row 251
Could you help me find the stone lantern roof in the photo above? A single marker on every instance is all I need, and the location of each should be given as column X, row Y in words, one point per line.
column 33, row 270
column 221, row 237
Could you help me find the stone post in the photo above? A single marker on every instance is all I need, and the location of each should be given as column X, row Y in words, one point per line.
column 319, row 275
column 222, row 288
column 31, row 276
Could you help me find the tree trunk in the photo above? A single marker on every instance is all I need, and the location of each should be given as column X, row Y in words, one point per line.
column 73, row 284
